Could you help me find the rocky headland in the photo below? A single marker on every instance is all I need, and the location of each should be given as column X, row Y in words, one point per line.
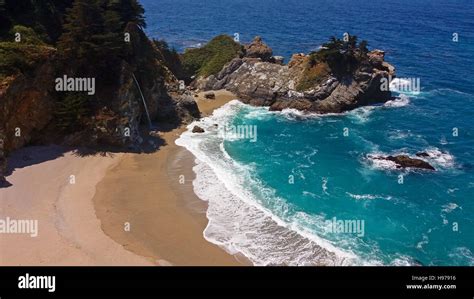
column 341, row 76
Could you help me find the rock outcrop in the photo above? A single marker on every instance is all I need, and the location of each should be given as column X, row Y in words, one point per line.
column 198, row 129
column 404, row 161
column 307, row 82
column 258, row 49
column 28, row 102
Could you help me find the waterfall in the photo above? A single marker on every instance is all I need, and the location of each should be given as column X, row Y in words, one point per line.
column 144, row 102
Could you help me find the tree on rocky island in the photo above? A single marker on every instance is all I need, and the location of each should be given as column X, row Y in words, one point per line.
column 342, row 56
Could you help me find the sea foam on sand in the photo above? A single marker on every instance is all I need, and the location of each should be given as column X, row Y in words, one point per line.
column 238, row 221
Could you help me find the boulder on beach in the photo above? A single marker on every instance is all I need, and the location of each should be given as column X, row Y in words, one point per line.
column 209, row 95
column 198, row 129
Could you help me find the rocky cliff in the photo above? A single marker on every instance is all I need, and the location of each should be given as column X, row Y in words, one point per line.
column 29, row 101
column 340, row 77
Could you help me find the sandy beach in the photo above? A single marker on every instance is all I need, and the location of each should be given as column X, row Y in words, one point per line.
column 154, row 194
column 68, row 230
column 121, row 209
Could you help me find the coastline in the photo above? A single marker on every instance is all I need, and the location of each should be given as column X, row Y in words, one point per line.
column 166, row 218
column 69, row 232
column 83, row 224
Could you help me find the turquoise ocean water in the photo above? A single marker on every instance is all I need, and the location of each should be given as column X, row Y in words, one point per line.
column 271, row 199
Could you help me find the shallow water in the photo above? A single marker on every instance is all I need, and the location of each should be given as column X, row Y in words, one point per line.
column 270, row 199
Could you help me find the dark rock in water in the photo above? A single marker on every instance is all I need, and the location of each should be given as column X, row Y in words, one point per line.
column 422, row 154
column 404, row 161
column 258, row 49
column 198, row 129
column 210, row 95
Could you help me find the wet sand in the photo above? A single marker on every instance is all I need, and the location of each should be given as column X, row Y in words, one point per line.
column 146, row 203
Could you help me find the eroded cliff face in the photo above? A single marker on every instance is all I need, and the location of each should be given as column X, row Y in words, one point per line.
column 28, row 103
column 26, row 106
column 304, row 84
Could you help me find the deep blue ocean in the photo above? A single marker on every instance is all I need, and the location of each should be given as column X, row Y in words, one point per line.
column 271, row 199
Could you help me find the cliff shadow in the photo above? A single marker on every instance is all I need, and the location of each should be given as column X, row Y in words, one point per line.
column 150, row 142
column 31, row 155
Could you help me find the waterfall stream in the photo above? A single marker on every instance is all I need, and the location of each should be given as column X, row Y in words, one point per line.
column 144, row 102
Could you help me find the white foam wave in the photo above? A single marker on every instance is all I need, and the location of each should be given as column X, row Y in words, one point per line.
column 294, row 114
column 324, row 186
column 403, row 261
column 463, row 254
column 361, row 114
column 405, row 86
column 401, row 101
column 258, row 114
column 425, row 240
column 368, row 196
column 449, row 207
column 439, row 158
column 239, row 220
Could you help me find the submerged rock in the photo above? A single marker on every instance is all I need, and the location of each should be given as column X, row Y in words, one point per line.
column 404, row 161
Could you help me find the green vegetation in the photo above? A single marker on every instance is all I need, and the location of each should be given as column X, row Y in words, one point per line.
column 342, row 57
column 44, row 17
column 71, row 110
column 314, row 73
column 92, row 42
column 27, row 35
column 87, row 33
column 211, row 58
column 20, row 58
column 170, row 57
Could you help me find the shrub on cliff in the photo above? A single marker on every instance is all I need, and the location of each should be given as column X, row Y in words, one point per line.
column 313, row 74
column 211, row 58
column 343, row 57
column 70, row 111
column 170, row 57
column 20, row 57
